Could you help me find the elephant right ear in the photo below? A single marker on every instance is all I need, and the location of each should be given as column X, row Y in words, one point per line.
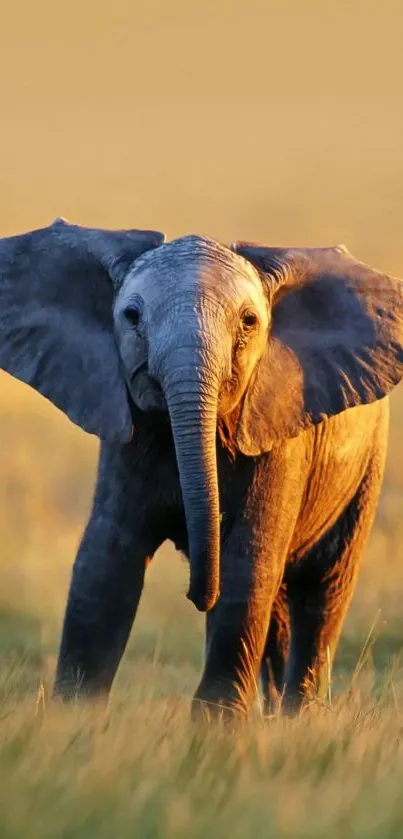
column 56, row 319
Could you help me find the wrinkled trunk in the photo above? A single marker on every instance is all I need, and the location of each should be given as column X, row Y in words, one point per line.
column 191, row 396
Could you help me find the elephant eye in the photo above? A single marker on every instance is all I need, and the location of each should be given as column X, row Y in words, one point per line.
column 132, row 315
column 249, row 320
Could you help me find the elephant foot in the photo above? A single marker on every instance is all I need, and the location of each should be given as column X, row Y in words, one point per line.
column 218, row 706
column 208, row 714
column 68, row 689
column 295, row 703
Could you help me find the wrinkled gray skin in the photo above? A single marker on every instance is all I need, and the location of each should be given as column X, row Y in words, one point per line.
column 254, row 379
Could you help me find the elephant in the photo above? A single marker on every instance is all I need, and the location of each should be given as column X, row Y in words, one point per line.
column 240, row 394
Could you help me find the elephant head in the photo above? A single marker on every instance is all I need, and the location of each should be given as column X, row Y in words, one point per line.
column 267, row 341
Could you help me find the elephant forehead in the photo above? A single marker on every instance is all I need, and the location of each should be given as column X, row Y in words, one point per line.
column 195, row 263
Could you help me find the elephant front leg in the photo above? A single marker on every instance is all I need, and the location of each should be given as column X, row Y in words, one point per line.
column 236, row 634
column 104, row 595
column 252, row 565
column 237, row 627
column 107, row 579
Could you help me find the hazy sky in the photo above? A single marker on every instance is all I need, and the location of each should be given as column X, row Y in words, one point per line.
column 279, row 121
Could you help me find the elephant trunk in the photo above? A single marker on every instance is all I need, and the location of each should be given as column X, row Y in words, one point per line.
column 192, row 396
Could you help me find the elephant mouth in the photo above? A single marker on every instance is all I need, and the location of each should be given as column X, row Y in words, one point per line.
column 140, row 367
column 145, row 391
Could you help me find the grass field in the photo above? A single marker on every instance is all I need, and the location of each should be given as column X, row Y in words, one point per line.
column 141, row 769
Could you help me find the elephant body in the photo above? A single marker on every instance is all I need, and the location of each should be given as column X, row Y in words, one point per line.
column 241, row 398
column 294, row 525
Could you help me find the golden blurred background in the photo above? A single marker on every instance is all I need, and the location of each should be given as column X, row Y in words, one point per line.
column 274, row 120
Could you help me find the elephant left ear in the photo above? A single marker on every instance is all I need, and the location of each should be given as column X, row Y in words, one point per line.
column 335, row 341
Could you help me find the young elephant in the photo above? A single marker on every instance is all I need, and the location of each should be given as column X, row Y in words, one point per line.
column 239, row 394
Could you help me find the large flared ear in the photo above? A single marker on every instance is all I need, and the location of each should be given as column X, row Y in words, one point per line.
column 56, row 319
column 335, row 341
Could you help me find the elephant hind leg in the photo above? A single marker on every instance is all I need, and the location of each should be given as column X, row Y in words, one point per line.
column 320, row 591
column 272, row 670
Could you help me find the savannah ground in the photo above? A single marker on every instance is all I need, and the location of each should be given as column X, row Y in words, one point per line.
column 279, row 121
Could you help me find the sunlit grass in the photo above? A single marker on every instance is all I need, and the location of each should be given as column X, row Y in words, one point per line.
column 141, row 769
